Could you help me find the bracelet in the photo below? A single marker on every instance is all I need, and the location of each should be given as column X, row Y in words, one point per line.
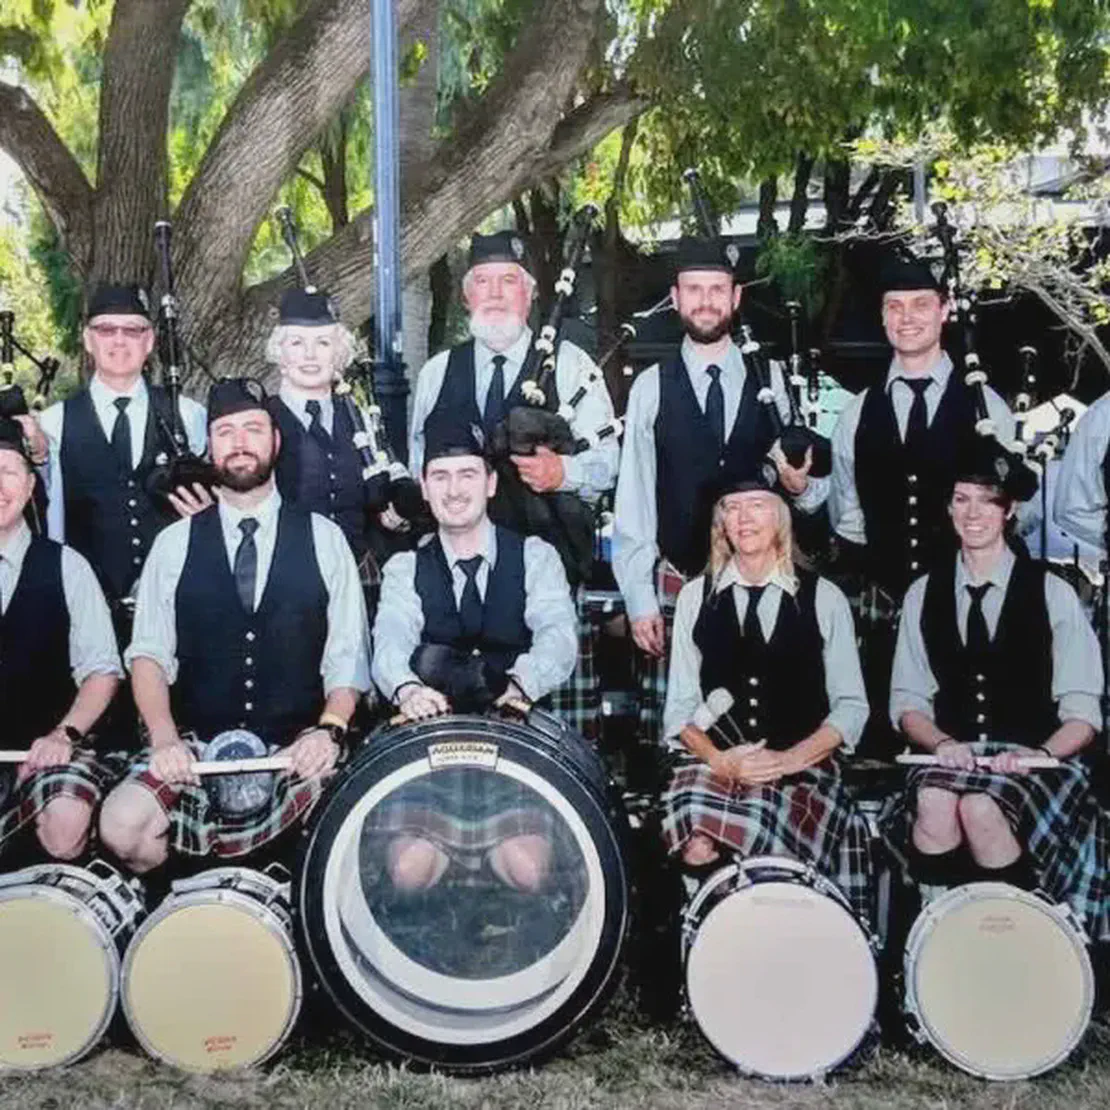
column 74, row 735
column 333, row 719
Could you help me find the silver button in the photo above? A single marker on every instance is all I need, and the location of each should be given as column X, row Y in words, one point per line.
column 134, row 523
column 980, row 678
column 980, row 696
column 753, row 721
column 136, row 542
column 753, row 701
column 913, row 522
column 912, row 499
column 250, row 636
column 753, row 681
column 915, row 565
column 913, row 541
column 132, row 503
column 137, row 561
column 980, row 718
column 983, row 737
column 248, row 705
column 249, row 661
column 911, row 478
column 249, row 684
column 332, row 477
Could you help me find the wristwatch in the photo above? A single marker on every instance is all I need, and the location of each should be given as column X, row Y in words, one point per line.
column 74, row 735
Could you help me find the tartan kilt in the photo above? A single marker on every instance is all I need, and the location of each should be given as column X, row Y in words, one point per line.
column 198, row 828
column 578, row 700
column 86, row 778
column 1054, row 815
column 808, row 817
column 651, row 672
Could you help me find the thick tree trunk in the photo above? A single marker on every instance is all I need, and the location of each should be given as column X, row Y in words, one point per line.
column 799, row 201
column 767, row 225
column 333, row 162
column 439, row 279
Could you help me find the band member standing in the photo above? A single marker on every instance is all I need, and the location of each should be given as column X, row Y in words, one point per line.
column 478, row 382
column 102, row 444
column 249, row 615
column 59, row 668
column 781, row 642
column 688, row 420
column 995, row 658
column 1080, row 503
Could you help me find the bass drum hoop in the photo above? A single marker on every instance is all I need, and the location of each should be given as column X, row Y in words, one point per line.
column 578, row 776
column 226, row 886
column 922, row 930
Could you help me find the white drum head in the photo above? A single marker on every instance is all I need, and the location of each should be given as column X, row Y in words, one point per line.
column 60, row 978
column 782, row 981
column 999, row 981
column 211, row 984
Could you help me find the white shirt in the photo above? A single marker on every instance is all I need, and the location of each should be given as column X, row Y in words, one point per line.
column 296, row 399
column 92, row 643
column 345, row 661
column 1079, row 506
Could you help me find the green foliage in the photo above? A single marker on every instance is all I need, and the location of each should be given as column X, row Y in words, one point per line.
column 797, row 266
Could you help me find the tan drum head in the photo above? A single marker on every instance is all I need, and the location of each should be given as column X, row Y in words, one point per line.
column 60, row 978
column 782, row 981
column 999, row 982
column 211, row 983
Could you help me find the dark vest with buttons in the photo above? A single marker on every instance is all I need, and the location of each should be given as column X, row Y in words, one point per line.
column 1008, row 696
column 325, row 482
column 257, row 670
column 36, row 683
column 110, row 518
column 687, row 465
column 779, row 686
column 903, row 498
column 504, row 633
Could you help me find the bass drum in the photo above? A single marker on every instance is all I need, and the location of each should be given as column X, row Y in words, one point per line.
column 471, row 964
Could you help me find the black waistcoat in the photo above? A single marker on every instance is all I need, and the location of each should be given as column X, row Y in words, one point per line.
column 328, row 482
column 779, row 687
column 687, row 466
column 1008, row 696
column 504, row 633
column 110, row 518
column 257, row 670
column 904, row 499
column 36, row 683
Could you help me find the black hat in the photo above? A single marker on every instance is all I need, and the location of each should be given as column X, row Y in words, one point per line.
column 12, row 438
column 983, row 460
column 502, row 246
column 756, row 474
column 307, row 310
column 456, row 438
column 705, row 254
column 900, row 274
column 234, row 395
column 119, row 300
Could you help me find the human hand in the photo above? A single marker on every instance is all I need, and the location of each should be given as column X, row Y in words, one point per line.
column 190, row 502
column 542, row 472
column 648, row 634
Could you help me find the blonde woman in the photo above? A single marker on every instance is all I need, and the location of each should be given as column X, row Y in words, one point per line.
column 780, row 640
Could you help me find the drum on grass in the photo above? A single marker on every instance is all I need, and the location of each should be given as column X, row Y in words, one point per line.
column 212, row 979
column 998, row 981
column 780, row 976
column 463, row 961
column 63, row 930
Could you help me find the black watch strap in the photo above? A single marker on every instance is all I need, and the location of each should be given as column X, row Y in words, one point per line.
column 75, row 736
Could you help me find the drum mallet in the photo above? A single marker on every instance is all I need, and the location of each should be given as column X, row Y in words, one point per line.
column 1028, row 763
column 211, row 767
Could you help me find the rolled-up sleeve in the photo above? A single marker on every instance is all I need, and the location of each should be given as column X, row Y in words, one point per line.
column 1076, row 658
column 1079, row 506
column 398, row 625
column 428, row 384
column 684, row 693
column 154, row 635
column 594, row 470
column 346, row 659
column 848, row 709
column 845, row 510
column 92, row 642
column 913, row 686
column 550, row 616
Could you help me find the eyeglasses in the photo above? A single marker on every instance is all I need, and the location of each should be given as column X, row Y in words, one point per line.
column 128, row 331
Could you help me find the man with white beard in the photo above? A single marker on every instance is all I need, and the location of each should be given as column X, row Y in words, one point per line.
column 478, row 382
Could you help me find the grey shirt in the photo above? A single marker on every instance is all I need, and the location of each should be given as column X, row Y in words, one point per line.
column 548, row 612
column 345, row 661
column 843, row 677
column 1076, row 659
column 589, row 474
column 92, row 643
column 1079, row 506
column 636, row 517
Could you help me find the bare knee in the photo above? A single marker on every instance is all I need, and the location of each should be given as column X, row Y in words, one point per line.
column 63, row 828
column 415, row 863
column 937, row 821
column 522, row 861
column 134, row 827
column 699, row 850
column 981, row 817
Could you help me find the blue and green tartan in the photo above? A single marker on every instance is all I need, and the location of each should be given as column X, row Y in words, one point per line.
column 578, row 700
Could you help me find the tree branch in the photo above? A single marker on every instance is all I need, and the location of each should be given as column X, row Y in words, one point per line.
column 27, row 136
column 311, row 178
column 587, row 125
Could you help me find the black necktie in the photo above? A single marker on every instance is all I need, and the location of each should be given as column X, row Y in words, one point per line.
column 246, row 563
column 495, row 398
column 753, row 630
column 917, row 426
column 121, row 434
column 470, row 605
column 978, row 639
column 316, row 425
column 715, row 407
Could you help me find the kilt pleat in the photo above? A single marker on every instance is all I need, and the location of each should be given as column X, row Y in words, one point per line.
column 578, row 700
column 651, row 673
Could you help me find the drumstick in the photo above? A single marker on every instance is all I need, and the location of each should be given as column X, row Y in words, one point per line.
column 1031, row 762
column 209, row 767
column 515, row 704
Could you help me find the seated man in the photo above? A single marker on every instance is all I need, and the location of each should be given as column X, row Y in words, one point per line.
column 476, row 616
column 995, row 658
column 780, row 641
column 59, row 669
column 249, row 615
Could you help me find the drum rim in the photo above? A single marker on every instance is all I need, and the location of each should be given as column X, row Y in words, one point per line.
column 81, row 909
column 970, row 892
column 394, row 748
column 261, row 912
column 810, row 880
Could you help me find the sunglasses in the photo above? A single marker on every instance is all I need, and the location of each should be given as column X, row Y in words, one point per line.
column 110, row 331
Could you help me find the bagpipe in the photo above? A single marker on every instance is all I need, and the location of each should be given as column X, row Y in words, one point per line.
column 797, row 435
column 385, row 478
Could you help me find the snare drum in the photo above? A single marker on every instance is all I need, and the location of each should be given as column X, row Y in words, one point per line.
column 63, row 930
column 998, row 981
column 467, row 971
column 212, row 979
column 780, row 976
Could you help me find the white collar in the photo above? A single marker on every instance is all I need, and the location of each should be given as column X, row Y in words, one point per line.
column 15, row 550
column 731, row 576
column 487, row 548
column 998, row 575
column 265, row 512
column 514, row 356
column 939, row 372
column 103, row 395
column 697, row 362
column 295, row 399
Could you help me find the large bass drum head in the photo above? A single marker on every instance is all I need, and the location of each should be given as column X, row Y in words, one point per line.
column 465, row 962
